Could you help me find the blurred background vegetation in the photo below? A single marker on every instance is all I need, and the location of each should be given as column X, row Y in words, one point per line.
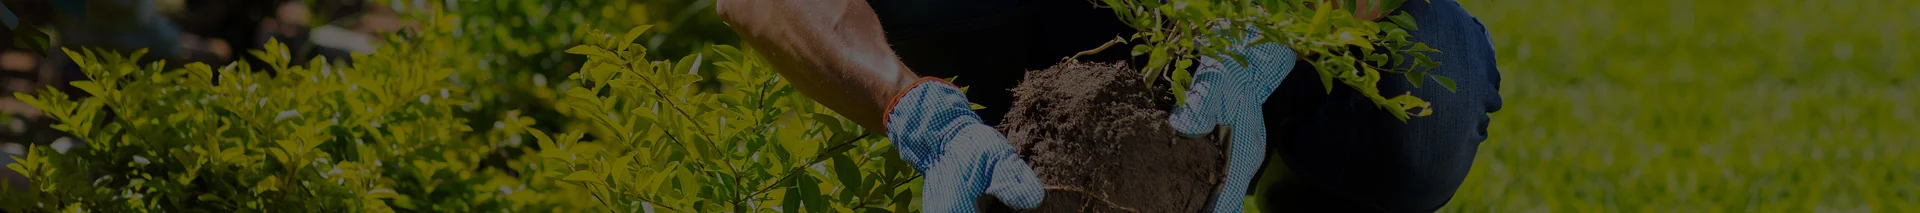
column 1611, row 106
column 1700, row 106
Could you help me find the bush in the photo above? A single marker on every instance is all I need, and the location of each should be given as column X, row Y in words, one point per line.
column 397, row 132
column 1332, row 41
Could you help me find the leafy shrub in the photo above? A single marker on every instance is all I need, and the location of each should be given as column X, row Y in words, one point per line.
column 391, row 133
column 743, row 149
column 1337, row 45
column 317, row 137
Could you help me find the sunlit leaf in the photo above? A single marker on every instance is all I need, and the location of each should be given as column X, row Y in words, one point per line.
column 1447, row 82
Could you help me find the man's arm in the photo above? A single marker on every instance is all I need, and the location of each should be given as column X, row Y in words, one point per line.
column 1372, row 9
column 834, row 51
column 1368, row 9
column 831, row 50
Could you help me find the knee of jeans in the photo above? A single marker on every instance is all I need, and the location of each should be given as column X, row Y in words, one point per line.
column 1434, row 184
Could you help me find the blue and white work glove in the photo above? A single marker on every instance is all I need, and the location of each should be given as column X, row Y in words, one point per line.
column 1225, row 93
column 934, row 130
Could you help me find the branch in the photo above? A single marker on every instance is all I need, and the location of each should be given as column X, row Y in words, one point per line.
column 683, row 112
column 596, row 196
column 1097, row 50
column 816, row 159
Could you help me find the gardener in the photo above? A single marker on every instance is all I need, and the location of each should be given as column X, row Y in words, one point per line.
column 1342, row 153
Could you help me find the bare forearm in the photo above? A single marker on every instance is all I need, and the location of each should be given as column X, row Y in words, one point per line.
column 831, row 50
column 1371, row 9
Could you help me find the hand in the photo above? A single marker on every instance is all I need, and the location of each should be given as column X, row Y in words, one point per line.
column 1225, row 93
column 934, row 130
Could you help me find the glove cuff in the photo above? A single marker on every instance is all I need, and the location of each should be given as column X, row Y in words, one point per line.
column 926, row 117
column 887, row 115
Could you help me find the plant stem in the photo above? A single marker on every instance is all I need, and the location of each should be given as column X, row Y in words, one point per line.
column 1097, row 50
column 816, row 159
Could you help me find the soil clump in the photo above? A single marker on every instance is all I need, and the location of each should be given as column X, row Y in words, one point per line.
column 1099, row 139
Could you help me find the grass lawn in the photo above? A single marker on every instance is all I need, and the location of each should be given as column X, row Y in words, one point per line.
column 1701, row 106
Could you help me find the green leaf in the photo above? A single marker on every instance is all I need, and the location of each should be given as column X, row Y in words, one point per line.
column 382, row 193
column 832, row 124
column 689, row 64
column 848, row 173
column 1377, row 58
column 142, row 52
column 17, row 166
column 902, row 200
column 271, row 183
column 1387, row 26
column 35, row 102
column 1416, row 77
column 32, row 39
column 1404, row 20
column 1156, row 64
column 1422, row 47
column 1159, row 59
column 593, row 51
column 1182, row 80
column 76, row 57
column 1422, row 61
column 810, row 189
column 585, row 175
column 601, row 72
column 545, row 141
column 1182, row 64
column 792, row 200
column 626, row 40
column 90, row 87
column 1395, row 59
column 1447, row 82
column 1326, row 80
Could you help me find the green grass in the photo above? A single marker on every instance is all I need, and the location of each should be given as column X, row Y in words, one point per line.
column 1701, row 106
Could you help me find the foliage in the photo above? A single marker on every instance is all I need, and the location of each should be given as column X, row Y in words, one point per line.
column 310, row 138
column 1612, row 106
column 1335, row 43
column 743, row 149
column 396, row 132
column 513, row 55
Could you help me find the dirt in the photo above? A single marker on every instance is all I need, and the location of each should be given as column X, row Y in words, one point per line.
column 1099, row 139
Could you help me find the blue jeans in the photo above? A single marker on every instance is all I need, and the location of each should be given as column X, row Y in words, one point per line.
column 1342, row 154
column 10, row 178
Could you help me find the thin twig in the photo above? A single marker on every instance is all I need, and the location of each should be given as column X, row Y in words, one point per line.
column 816, row 159
column 596, row 196
column 1097, row 50
column 683, row 112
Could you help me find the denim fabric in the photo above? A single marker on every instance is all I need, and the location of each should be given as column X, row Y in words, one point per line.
column 1345, row 155
column 121, row 25
column 10, row 178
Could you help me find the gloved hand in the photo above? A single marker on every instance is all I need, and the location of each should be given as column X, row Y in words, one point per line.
column 1225, row 93
column 962, row 158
